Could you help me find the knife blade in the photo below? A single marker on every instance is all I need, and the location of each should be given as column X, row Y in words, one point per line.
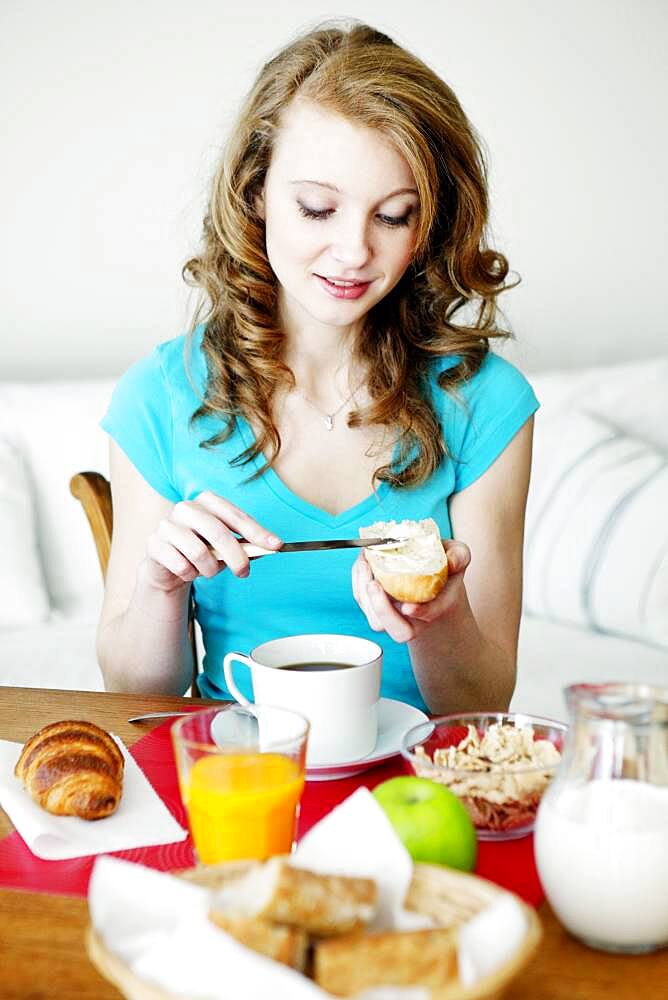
column 255, row 551
column 335, row 543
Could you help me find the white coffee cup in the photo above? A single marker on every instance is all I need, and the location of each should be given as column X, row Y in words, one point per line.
column 341, row 702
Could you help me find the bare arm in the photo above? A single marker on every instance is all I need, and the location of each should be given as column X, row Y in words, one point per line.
column 463, row 644
column 157, row 550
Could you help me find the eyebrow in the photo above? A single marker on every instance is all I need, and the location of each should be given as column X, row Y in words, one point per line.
column 333, row 187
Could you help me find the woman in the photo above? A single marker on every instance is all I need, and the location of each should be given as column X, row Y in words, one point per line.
column 339, row 374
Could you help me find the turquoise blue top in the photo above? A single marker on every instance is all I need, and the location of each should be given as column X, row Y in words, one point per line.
column 149, row 418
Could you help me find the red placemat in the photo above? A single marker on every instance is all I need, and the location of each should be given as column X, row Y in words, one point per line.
column 510, row 863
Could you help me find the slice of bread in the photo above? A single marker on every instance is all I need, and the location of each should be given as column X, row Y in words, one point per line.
column 288, row 945
column 354, row 964
column 414, row 569
column 321, row 905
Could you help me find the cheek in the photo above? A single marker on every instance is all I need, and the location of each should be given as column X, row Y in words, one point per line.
column 402, row 254
column 289, row 241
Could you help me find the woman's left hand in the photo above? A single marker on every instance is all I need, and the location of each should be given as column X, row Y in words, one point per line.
column 402, row 621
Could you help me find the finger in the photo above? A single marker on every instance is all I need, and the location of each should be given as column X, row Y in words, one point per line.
column 169, row 557
column 430, row 611
column 364, row 578
column 427, row 612
column 191, row 545
column 237, row 519
column 224, row 546
column 458, row 554
column 396, row 626
column 354, row 577
column 361, row 574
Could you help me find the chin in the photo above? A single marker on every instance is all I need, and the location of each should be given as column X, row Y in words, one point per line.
column 332, row 317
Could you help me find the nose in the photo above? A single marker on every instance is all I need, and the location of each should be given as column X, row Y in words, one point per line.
column 351, row 246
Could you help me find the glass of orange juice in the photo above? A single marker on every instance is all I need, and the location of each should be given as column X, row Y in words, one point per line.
column 241, row 776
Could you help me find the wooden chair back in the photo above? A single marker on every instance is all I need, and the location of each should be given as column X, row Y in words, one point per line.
column 93, row 491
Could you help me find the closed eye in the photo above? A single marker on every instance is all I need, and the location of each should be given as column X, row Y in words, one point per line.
column 314, row 213
column 396, row 220
column 324, row 213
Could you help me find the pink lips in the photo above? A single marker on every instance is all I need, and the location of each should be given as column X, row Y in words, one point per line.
column 352, row 291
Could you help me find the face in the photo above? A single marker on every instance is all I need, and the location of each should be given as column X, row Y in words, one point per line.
column 340, row 208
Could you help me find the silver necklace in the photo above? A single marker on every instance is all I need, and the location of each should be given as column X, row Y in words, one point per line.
column 328, row 418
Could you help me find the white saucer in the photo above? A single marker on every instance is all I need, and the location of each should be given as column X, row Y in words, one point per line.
column 394, row 718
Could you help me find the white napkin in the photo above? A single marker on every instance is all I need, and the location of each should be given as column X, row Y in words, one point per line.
column 356, row 838
column 158, row 924
column 488, row 940
column 141, row 819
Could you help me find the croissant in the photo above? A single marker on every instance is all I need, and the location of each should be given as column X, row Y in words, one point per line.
column 72, row 768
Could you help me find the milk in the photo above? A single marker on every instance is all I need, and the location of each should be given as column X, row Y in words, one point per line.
column 602, row 856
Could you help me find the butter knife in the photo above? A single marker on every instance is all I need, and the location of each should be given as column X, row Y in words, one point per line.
column 254, row 551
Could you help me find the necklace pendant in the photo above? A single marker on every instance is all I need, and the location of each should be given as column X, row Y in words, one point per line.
column 329, row 423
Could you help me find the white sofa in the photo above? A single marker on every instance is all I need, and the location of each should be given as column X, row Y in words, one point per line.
column 596, row 533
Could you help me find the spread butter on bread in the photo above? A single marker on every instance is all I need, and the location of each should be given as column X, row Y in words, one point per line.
column 413, row 570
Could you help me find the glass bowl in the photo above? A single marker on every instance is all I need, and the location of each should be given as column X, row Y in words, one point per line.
column 498, row 763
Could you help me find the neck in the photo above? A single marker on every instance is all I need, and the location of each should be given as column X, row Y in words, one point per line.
column 320, row 356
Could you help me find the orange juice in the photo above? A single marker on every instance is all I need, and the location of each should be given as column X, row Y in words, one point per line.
column 243, row 805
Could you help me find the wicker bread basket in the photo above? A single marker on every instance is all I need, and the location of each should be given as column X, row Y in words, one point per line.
column 450, row 897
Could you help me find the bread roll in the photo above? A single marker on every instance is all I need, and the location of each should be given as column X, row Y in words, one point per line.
column 73, row 768
column 415, row 569
column 318, row 904
column 348, row 965
column 288, row 945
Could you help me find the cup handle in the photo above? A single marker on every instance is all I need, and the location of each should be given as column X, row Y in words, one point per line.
column 229, row 676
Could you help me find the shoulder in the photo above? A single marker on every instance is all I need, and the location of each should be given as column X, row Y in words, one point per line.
column 483, row 414
column 151, row 401
column 173, row 368
column 497, row 387
column 495, row 378
column 181, row 359
column 498, row 378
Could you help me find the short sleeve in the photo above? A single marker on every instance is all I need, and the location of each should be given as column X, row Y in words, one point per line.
column 497, row 401
column 140, row 421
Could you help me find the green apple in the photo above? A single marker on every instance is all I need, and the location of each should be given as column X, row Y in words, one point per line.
column 430, row 820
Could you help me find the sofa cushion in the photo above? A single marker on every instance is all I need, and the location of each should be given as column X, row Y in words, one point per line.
column 23, row 596
column 54, row 426
column 59, row 653
column 596, row 545
column 551, row 656
column 632, row 396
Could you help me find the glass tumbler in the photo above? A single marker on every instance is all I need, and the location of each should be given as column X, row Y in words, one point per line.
column 241, row 777
column 601, row 837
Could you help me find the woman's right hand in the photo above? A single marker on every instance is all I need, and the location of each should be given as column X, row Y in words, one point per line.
column 182, row 547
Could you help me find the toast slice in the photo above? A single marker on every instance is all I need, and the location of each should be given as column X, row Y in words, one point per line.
column 288, row 945
column 321, row 905
column 348, row 965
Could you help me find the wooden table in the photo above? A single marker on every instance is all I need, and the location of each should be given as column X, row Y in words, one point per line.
column 41, row 936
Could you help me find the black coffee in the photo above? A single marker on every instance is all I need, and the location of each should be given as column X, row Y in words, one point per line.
column 312, row 667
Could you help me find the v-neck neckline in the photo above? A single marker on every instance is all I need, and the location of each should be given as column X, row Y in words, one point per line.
column 274, row 482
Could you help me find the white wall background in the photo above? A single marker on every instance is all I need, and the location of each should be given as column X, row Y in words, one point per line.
column 113, row 114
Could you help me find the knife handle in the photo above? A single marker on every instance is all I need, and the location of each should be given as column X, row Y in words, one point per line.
column 252, row 551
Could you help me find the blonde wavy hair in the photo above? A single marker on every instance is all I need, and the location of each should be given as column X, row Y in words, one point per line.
column 363, row 75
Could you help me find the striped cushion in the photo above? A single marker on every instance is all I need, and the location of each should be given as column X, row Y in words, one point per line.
column 23, row 596
column 596, row 544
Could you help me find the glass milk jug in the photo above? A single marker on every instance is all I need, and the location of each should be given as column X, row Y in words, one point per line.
column 601, row 836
